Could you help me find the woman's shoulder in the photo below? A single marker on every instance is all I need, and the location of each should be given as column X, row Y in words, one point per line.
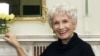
column 49, row 48
column 85, row 45
column 86, row 48
column 53, row 44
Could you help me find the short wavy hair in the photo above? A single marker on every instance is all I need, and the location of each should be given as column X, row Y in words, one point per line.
column 66, row 9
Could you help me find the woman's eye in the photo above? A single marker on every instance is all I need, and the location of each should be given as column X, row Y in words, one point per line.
column 56, row 23
column 65, row 21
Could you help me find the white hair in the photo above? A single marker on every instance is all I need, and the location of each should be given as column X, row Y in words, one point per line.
column 66, row 9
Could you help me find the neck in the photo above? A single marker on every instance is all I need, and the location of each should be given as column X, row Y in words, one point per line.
column 65, row 41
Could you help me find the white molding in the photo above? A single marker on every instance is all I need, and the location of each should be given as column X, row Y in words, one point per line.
column 51, row 37
column 29, row 41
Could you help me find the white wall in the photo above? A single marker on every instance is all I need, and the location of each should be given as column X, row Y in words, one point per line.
column 85, row 26
column 94, row 16
column 30, row 27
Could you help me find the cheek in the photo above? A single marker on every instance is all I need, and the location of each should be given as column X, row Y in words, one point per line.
column 54, row 27
column 70, row 26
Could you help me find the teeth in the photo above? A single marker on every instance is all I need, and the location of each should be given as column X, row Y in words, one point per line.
column 62, row 31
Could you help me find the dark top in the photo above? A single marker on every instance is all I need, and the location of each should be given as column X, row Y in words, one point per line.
column 75, row 47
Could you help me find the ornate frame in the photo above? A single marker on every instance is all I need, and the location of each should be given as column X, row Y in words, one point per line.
column 41, row 18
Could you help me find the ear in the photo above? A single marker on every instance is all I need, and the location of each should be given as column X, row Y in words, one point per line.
column 53, row 31
column 75, row 25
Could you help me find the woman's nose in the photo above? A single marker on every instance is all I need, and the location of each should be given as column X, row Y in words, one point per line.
column 61, row 26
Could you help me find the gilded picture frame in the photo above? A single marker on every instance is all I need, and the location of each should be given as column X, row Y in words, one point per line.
column 38, row 18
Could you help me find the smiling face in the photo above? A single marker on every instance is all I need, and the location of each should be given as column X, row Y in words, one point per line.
column 63, row 26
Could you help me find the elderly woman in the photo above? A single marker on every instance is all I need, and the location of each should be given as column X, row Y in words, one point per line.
column 63, row 21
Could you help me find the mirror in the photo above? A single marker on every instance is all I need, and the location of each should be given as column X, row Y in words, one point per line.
column 30, row 10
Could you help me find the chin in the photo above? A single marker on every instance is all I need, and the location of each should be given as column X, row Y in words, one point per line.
column 63, row 37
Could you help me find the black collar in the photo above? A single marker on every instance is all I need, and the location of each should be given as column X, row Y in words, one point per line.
column 73, row 41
